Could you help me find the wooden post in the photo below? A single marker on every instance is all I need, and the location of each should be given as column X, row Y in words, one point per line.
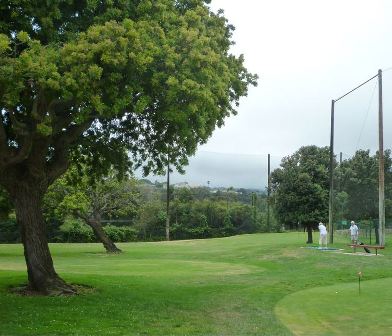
column 168, row 203
column 330, row 226
column 381, row 192
column 268, row 193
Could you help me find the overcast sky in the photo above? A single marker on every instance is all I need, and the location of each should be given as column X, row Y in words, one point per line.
column 306, row 53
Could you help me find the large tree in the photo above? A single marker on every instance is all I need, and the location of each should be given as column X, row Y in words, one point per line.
column 92, row 80
column 301, row 188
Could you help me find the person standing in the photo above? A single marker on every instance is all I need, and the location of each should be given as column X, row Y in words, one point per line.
column 323, row 235
column 354, row 232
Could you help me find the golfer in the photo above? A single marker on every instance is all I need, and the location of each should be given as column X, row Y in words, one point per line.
column 323, row 235
column 354, row 232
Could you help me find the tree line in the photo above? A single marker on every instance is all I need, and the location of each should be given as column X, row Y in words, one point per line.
column 110, row 210
column 300, row 188
column 118, row 209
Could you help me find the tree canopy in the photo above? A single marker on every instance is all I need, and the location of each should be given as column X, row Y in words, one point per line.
column 301, row 187
column 139, row 76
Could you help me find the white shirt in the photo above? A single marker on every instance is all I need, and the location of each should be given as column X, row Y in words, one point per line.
column 354, row 230
column 322, row 229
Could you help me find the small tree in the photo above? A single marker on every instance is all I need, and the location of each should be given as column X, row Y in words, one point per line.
column 92, row 201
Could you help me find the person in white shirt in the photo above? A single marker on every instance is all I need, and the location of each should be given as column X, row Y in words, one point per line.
column 323, row 235
column 354, row 232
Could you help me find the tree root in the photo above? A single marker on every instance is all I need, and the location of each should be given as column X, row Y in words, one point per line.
column 115, row 250
column 55, row 288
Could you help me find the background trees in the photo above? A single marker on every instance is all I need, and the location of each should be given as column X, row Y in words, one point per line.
column 95, row 81
column 358, row 179
column 357, row 187
column 140, row 213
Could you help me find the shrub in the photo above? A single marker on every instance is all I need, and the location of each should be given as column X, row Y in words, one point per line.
column 9, row 231
column 75, row 231
column 121, row 233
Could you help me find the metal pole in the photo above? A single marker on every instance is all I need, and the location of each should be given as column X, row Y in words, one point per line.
column 268, row 193
column 330, row 219
column 168, row 202
column 381, row 192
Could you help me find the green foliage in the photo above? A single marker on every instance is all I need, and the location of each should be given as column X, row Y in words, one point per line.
column 207, row 218
column 100, row 80
column 75, row 231
column 9, row 231
column 357, row 177
column 301, row 186
column 4, row 44
column 121, row 233
column 360, row 182
column 140, row 212
column 151, row 221
column 79, row 197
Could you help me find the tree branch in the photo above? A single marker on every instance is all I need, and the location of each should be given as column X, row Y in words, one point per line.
column 78, row 214
column 18, row 127
column 60, row 162
column 22, row 131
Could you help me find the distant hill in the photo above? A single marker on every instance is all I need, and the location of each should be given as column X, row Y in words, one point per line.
column 223, row 170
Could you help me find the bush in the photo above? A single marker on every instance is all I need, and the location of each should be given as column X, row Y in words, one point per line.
column 9, row 231
column 121, row 233
column 75, row 231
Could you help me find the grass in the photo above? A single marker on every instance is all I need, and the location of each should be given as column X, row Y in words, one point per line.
column 260, row 284
column 340, row 310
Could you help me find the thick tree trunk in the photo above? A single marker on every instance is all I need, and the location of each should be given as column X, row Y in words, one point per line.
column 41, row 274
column 310, row 235
column 102, row 236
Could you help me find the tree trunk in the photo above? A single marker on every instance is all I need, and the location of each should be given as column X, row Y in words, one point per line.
column 102, row 236
column 41, row 274
column 310, row 235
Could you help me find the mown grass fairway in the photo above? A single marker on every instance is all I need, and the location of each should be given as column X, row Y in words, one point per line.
column 228, row 286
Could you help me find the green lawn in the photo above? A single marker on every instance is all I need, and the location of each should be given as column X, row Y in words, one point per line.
column 340, row 310
column 246, row 285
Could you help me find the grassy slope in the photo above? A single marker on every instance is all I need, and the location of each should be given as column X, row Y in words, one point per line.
column 226, row 286
column 340, row 310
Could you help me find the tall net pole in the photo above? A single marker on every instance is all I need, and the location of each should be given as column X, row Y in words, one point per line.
column 168, row 203
column 330, row 212
column 381, row 190
column 268, row 193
